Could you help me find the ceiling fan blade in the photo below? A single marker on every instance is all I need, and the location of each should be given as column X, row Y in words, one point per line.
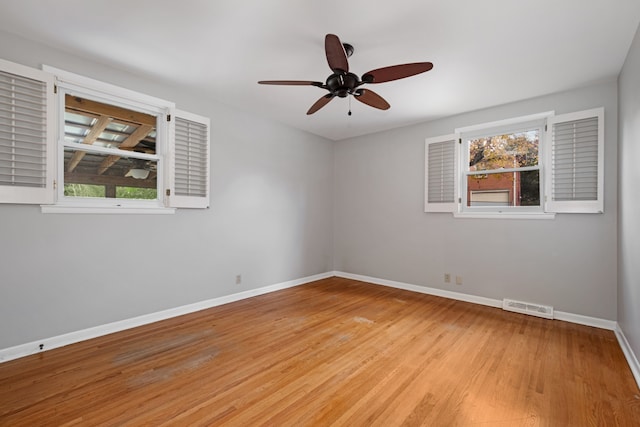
column 336, row 56
column 395, row 72
column 290, row 83
column 372, row 99
column 320, row 103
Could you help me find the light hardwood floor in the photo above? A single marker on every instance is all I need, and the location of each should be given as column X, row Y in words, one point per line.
column 332, row 352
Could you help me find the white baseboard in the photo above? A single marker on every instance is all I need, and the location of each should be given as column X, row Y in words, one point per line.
column 632, row 360
column 30, row 348
column 586, row 320
column 558, row 315
column 423, row 289
column 109, row 328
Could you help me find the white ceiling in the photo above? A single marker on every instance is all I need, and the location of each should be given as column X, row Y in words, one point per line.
column 485, row 53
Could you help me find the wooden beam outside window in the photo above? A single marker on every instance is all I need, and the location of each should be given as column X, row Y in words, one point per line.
column 86, row 106
column 133, row 140
column 92, row 136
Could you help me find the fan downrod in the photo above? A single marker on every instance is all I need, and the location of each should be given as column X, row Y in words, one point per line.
column 348, row 49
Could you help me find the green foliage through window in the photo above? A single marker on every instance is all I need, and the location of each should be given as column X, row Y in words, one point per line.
column 136, row 193
column 84, row 190
column 100, row 191
column 514, row 150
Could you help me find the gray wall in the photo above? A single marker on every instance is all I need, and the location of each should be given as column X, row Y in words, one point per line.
column 270, row 220
column 287, row 204
column 629, row 198
column 381, row 229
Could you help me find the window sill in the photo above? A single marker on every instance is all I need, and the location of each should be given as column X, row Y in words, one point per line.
column 121, row 210
column 507, row 215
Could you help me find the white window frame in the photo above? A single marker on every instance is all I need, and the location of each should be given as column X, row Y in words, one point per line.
column 84, row 87
column 548, row 208
column 193, row 172
column 496, row 128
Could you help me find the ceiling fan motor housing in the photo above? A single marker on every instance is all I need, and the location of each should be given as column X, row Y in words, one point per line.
column 342, row 84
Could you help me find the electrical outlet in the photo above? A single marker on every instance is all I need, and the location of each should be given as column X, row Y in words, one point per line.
column 238, row 279
column 447, row 278
column 458, row 280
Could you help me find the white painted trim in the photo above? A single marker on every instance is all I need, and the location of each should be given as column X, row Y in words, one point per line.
column 505, row 215
column 558, row 315
column 423, row 289
column 111, row 92
column 585, row 320
column 109, row 328
column 33, row 347
column 632, row 360
column 73, row 209
column 506, row 122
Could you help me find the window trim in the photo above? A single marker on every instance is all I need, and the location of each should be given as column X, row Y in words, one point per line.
column 112, row 93
column 194, row 175
column 499, row 127
column 76, row 85
column 546, row 210
column 505, row 122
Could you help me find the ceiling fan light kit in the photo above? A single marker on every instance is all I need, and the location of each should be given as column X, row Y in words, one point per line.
column 342, row 83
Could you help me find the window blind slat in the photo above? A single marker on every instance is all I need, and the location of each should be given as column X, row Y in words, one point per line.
column 26, row 111
column 10, row 82
column 31, row 144
column 13, row 131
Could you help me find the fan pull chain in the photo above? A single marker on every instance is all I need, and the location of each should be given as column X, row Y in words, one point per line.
column 349, row 113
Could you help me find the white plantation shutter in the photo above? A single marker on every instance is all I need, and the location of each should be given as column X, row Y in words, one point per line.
column 576, row 162
column 189, row 187
column 441, row 180
column 27, row 133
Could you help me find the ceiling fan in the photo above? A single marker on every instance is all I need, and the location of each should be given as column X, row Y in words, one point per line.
column 343, row 83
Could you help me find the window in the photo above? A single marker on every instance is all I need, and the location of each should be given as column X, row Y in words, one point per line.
column 108, row 152
column 117, row 150
column 502, row 169
column 531, row 165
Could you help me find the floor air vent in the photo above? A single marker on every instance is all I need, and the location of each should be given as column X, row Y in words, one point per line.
column 545, row 311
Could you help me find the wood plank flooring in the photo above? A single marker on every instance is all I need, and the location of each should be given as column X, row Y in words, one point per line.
column 333, row 352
